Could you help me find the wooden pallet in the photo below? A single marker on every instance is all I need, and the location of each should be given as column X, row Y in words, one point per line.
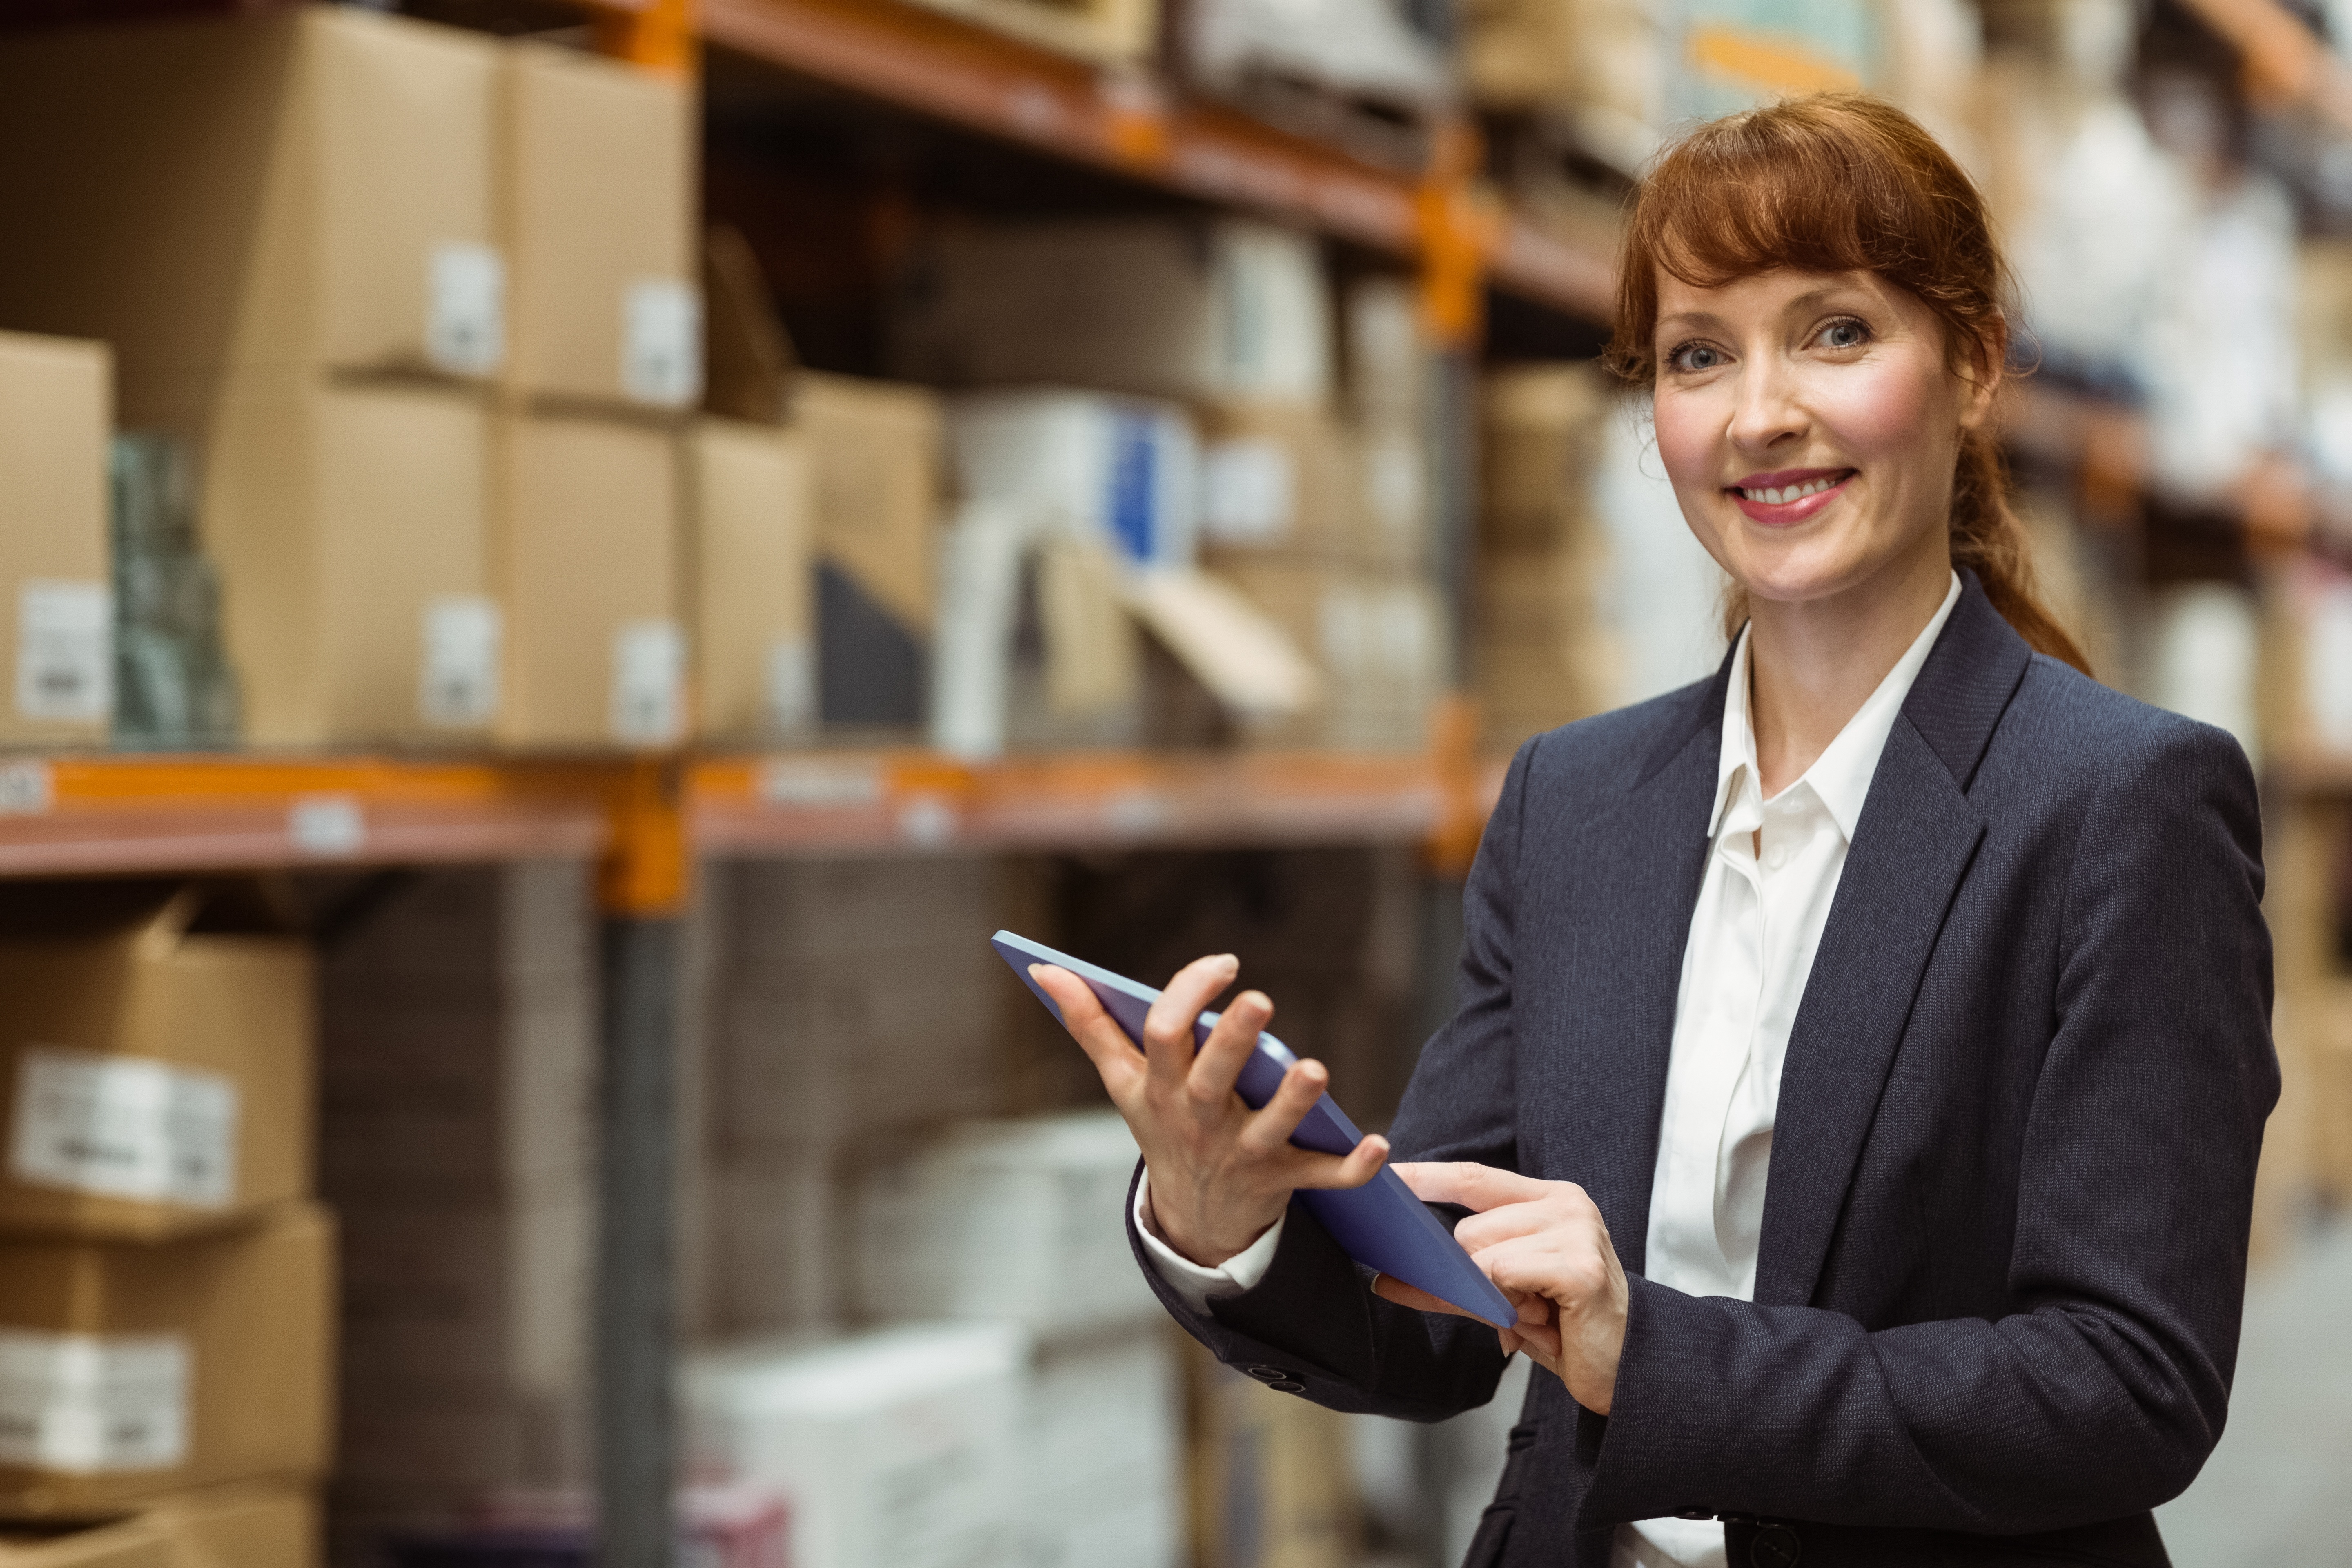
column 1109, row 32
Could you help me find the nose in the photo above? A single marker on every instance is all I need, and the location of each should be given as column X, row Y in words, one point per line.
column 1768, row 412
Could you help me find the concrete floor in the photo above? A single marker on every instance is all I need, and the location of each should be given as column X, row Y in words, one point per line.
column 2274, row 1493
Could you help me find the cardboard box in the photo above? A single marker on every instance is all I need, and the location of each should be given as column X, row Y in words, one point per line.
column 596, row 194
column 250, row 1526
column 157, row 1081
column 56, row 624
column 1102, row 1452
column 1234, row 309
column 349, row 521
column 1012, row 1220
column 876, row 446
column 751, row 531
column 113, row 1543
column 584, row 552
column 1109, row 32
column 1272, row 1484
column 307, row 189
column 892, row 1449
column 139, row 1370
column 1119, row 471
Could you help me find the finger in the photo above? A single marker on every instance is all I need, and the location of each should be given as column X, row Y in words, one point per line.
column 1555, row 1212
column 1323, row 1173
column 1167, row 1027
column 1228, row 1046
column 1388, row 1287
column 1096, row 1031
column 1270, row 1128
column 1472, row 1186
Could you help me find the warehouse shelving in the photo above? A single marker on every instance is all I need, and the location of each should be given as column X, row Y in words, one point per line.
column 70, row 813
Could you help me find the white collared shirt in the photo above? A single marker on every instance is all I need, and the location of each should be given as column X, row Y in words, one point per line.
column 1771, row 878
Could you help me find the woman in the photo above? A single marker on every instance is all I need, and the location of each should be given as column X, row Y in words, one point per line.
column 1863, row 1056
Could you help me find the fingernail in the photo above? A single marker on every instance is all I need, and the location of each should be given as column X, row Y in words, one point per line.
column 1229, row 964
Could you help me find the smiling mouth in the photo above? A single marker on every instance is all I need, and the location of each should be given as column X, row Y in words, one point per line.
column 1782, row 495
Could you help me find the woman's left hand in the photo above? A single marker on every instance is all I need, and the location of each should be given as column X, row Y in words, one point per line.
column 1544, row 1244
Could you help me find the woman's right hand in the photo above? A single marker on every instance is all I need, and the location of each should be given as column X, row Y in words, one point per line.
column 1221, row 1172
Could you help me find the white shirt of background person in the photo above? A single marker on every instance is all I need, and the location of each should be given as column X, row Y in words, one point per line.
column 1771, row 879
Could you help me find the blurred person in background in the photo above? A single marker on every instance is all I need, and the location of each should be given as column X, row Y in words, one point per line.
column 1861, row 1057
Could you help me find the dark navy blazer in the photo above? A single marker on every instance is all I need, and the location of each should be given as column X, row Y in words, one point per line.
column 2004, row 1236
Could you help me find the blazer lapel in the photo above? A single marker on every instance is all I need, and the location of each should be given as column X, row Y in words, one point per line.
column 1911, row 850
column 1625, row 928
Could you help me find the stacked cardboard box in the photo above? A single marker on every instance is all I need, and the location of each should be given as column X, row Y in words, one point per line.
column 1273, row 1482
column 1022, row 1222
column 751, row 527
column 1541, row 657
column 849, row 1008
column 595, row 186
column 895, row 1449
column 368, row 271
column 165, row 1290
column 456, row 1082
column 265, row 218
column 1229, row 310
column 1110, row 32
column 57, row 631
column 877, row 454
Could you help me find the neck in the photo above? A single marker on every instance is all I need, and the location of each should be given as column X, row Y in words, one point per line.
column 1814, row 663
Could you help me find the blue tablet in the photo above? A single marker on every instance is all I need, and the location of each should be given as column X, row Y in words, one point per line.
column 1380, row 1224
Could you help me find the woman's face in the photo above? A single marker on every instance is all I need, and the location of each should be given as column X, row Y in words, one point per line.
column 1810, row 424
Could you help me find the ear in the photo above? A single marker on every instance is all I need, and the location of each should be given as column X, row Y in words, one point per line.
column 1982, row 373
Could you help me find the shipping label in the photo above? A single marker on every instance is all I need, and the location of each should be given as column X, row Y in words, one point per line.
column 790, row 685
column 90, row 1404
column 124, row 1127
column 661, row 343
column 457, row 686
column 648, row 683
column 466, row 308
column 65, row 652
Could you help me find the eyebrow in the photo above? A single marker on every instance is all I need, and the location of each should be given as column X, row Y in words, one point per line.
column 1811, row 299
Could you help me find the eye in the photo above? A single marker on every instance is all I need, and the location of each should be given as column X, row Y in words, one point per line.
column 1845, row 332
column 1690, row 357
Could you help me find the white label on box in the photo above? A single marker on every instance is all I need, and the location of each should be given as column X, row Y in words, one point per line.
column 466, row 308
column 1249, row 492
column 809, row 783
column 329, row 825
column 648, row 681
column 792, row 686
column 91, row 1405
column 124, row 1127
column 65, row 652
column 661, row 343
column 457, row 686
column 26, row 789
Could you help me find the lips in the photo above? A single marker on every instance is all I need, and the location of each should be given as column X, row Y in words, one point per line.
column 1778, row 499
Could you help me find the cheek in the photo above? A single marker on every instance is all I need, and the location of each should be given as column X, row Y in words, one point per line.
column 1689, row 436
column 1889, row 417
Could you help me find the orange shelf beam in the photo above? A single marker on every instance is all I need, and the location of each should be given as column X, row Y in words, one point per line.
column 647, row 818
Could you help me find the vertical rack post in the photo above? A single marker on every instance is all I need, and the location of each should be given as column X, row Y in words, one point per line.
column 642, row 897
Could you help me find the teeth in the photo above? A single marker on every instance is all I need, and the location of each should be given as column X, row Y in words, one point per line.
column 1788, row 493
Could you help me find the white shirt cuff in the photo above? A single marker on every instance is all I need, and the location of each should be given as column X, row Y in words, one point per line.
column 1194, row 1286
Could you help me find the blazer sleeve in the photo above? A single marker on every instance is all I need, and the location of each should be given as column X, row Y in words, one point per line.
column 2103, row 1393
column 1313, row 1319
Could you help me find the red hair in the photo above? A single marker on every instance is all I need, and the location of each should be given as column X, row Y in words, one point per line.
column 1843, row 183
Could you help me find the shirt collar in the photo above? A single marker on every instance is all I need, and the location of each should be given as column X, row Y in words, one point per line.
column 1840, row 775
